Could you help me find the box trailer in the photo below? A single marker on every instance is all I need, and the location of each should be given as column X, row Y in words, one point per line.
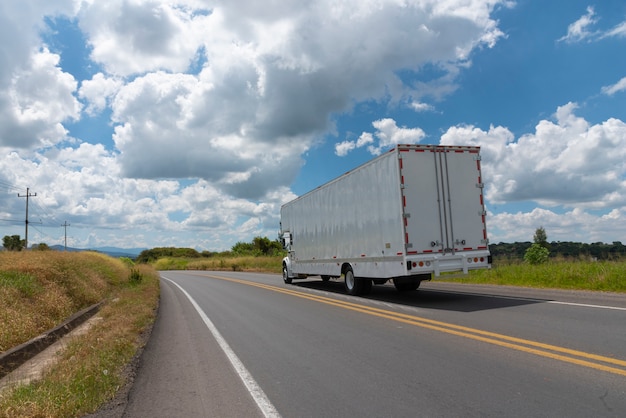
column 411, row 213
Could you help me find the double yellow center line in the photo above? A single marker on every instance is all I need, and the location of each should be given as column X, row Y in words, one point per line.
column 581, row 358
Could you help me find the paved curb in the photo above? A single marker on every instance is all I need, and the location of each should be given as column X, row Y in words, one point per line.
column 16, row 356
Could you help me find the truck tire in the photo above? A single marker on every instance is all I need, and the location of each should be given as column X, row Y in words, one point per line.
column 352, row 285
column 406, row 285
column 286, row 277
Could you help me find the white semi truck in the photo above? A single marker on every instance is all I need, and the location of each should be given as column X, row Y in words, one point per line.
column 411, row 213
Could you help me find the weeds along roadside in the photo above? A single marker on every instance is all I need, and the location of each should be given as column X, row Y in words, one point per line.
column 571, row 274
column 259, row 264
column 558, row 273
column 46, row 287
column 39, row 290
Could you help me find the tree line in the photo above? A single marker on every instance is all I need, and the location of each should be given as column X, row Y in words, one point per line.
column 16, row 243
column 263, row 246
column 564, row 249
column 260, row 246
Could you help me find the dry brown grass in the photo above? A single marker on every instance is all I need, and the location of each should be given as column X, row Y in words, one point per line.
column 43, row 289
column 264, row 264
column 40, row 289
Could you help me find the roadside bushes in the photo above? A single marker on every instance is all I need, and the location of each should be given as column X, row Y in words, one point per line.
column 536, row 254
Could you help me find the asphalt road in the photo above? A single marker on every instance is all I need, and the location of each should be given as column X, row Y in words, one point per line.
column 233, row 344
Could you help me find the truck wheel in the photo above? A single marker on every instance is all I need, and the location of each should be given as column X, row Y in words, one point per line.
column 406, row 285
column 286, row 277
column 352, row 285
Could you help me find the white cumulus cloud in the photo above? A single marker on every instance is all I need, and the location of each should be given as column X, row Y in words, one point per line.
column 387, row 135
column 135, row 37
column 98, row 92
column 213, row 106
column 566, row 161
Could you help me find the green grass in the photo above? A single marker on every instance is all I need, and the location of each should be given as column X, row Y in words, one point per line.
column 91, row 369
column 263, row 264
column 25, row 283
column 38, row 290
column 171, row 263
column 607, row 276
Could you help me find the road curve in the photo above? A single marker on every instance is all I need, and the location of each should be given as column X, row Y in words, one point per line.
column 183, row 371
column 447, row 350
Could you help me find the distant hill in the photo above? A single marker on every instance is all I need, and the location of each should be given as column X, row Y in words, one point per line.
column 110, row 251
column 126, row 251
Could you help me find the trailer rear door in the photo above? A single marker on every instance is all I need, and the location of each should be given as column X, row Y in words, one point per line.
column 442, row 199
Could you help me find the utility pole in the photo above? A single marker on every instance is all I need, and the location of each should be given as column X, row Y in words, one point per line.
column 27, row 195
column 65, row 224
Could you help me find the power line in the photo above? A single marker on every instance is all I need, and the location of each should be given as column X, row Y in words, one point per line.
column 41, row 236
column 49, row 218
column 33, row 209
column 15, row 221
column 10, row 187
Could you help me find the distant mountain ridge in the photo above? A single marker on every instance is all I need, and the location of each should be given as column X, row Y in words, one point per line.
column 110, row 251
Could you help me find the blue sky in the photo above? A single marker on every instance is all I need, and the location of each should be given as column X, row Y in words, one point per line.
column 189, row 123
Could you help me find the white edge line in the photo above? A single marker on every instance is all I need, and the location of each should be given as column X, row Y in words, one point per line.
column 555, row 302
column 585, row 305
column 253, row 387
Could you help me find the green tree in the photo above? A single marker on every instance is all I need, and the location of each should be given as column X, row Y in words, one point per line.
column 259, row 246
column 148, row 256
column 41, row 247
column 264, row 246
column 13, row 243
column 243, row 248
column 541, row 237
column 539, row 252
